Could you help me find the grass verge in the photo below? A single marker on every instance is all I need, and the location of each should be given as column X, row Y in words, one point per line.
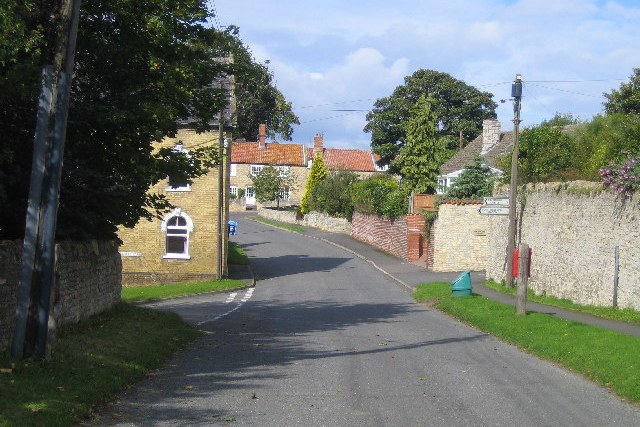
column 92, row 361
column 606, row 357
column 140, row 293
column 235, row 255
column 289, row 227
column 624, row 315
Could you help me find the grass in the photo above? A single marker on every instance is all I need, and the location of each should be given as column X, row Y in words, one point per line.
column 140, row 293
column 624, row 315
column 289, row 227
column 92, row 361
column 606, row 357
column 236, row 255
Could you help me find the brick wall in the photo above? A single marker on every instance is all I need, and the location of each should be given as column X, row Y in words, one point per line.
column 88, row 278
column 388, row 235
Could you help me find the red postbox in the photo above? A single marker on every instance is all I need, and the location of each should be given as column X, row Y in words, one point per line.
column 514, row 268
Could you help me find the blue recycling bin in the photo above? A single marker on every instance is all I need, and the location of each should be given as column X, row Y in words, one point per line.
column 232, row 228
column 461, row 286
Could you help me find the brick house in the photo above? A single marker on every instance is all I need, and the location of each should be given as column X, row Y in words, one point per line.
column 184, row 244
column 248, row 159
column 490, row 145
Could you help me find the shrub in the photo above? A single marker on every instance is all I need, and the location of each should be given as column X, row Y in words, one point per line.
column 333, row 194
column 623, row 177
column 380, row 195
column 475, row 182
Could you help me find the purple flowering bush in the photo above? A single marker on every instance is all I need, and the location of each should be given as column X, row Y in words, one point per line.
column 623, row 177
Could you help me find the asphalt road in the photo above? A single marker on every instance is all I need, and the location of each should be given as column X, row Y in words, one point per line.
column 327, row 340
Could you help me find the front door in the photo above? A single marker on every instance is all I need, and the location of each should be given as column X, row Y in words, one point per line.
column 250, row 196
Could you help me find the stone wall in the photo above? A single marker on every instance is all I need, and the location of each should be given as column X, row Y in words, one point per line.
column 573, row 230
column 460, row 237
column 388, row 235
column 312, row 219
column 88, row 277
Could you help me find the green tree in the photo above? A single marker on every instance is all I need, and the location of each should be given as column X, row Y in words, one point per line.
column 547, row 153
column 475, row 182
column 333, row 194
column 458, row 107
column 380, row 195
column 317, row 173
column 271, row 184
column 142, row 67
column 626, row 99
column 419, row 160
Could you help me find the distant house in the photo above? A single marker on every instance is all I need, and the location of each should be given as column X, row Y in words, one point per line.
column 490, row 145
column 362, row 162
column 183, row 245
column 248, row 159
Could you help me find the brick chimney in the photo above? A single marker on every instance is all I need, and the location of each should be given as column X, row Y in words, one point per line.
column 262, row 135
column 490, row 135
column 317, row 144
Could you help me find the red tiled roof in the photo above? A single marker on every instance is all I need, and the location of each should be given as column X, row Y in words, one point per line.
column 339, row 158
column 271, row 154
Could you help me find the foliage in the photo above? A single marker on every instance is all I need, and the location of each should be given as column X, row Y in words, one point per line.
column 626, row 99
column 380, row 195
column 458, row 107
column 475, row 182
column 546, row 153
column 561, row 120
column 141, row 67
column 92, row 362
column 603, row 140
column 317, row 173
column 270, row 185
column 420, row 159
column 241, row 193
column 623, row 177
column 333, row 194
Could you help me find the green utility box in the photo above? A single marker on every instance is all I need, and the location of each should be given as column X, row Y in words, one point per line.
column 462, row 285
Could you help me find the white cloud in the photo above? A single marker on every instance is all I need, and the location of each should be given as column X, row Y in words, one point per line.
column 335, row 51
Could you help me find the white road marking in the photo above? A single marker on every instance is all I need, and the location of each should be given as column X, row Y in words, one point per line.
column 230, row 298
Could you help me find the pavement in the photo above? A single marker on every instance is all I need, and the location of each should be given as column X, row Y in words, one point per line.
column 409, row 275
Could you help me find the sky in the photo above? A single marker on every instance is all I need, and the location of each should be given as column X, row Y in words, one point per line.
column 345, row 54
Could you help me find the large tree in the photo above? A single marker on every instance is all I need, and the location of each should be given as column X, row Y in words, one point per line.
column 142, row 66
column 625, row 100
column 458, row 106
column 419, row 160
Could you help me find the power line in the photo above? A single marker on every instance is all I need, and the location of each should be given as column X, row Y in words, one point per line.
column 564, row 90
column 332, row 117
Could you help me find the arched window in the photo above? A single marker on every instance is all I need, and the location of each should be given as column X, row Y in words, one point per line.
column 177, row 227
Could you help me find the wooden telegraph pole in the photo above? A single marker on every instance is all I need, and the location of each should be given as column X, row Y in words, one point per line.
column 38, row 254
column 516, row 94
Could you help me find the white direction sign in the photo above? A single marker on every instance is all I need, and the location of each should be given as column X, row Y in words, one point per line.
column 493, row 210
column 499, row 201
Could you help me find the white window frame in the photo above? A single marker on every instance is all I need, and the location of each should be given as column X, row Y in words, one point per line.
column 283, row 171
column 183, row 231
column 255, row 169
column 179, row 148
column 284, row 193
column 233, row 169
column 233, row 189
column 248, row 191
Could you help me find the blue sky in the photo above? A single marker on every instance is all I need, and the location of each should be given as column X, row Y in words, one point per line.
column 331, row 55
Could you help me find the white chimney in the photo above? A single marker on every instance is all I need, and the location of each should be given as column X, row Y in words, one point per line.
column 490, row 135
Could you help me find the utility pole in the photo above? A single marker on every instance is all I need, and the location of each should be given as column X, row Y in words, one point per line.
column 516, row 94
column 38, row 253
